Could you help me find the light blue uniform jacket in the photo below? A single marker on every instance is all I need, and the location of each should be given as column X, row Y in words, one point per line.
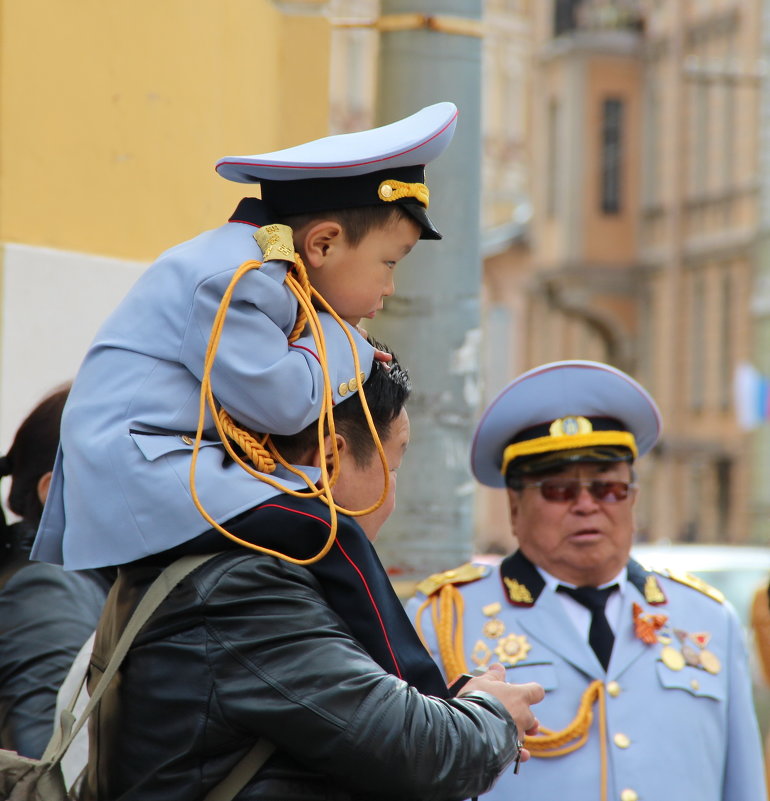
column 672, row 735
column 120, row 487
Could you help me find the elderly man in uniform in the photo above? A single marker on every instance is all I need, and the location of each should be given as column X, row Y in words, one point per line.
column 648, row 694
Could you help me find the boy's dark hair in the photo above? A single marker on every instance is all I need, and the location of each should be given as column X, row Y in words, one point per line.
column 356, row 222
column 387, row 390
column 32, row 455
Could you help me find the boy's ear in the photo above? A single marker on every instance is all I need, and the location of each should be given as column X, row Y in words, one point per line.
column 318, row 241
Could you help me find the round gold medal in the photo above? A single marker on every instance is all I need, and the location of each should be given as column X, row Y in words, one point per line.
column 710, row 661
column 672, row 659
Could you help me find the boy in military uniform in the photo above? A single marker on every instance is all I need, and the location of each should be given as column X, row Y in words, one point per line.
column 648, row 693
column 122, row 486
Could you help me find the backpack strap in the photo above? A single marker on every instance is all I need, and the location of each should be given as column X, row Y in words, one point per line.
column 244, row 770
column 151, row 600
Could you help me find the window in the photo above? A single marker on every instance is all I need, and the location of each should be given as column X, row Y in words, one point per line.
column 726, row 343
column 723, row 470
column 552, row 167
column 698, row 342
column 611, row 155
column 652, row 119
column 565, row 16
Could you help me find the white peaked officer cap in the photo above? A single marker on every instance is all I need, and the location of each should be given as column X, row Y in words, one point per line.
column 380, row 166
column 560, row 413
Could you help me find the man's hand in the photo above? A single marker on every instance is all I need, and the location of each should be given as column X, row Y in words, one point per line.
column 516, row 698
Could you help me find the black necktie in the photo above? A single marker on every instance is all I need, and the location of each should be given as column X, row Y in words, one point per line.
column 600, row 636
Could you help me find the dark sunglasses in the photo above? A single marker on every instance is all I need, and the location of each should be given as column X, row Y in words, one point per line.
column 564, row 490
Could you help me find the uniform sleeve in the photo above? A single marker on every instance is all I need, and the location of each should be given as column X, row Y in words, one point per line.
column 744, row 776
column 304, row 683
column 262, row 380
column 45, row 617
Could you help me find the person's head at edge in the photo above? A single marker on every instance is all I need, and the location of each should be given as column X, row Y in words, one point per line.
column 29, row 461
column 581, row 532
column 361, row 478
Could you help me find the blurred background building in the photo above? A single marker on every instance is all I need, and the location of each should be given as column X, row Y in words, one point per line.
column 624, row 205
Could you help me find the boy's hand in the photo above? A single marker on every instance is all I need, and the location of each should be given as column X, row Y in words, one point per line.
column 380, row 355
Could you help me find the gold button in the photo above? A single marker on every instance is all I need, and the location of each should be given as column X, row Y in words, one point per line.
column 343, row 389
column 362, row 377
column 187, row 440
column 613, row 688
column 621, row 740
column 353, row 385
column 695, row 684
column 629, row 795
column 450, row 574
column 386, row 190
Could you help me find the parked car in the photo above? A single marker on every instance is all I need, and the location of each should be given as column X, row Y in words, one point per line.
column 737, row 571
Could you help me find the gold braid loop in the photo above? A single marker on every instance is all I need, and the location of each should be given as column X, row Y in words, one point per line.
column 447, row 607
column 254, row 446
column 548, row 743
column 392, row 190
column 300, row 273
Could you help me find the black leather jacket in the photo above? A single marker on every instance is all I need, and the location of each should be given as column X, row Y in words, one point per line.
column 247, row 646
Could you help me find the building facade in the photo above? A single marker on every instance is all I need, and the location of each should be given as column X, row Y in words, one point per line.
column 642, row 246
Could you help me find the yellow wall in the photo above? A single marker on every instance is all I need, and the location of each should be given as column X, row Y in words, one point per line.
column 112, row 114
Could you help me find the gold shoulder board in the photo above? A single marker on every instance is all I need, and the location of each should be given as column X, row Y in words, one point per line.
column 697, row 584
column 459, row 575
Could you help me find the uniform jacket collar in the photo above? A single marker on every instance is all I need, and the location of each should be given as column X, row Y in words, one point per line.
column 544, row 620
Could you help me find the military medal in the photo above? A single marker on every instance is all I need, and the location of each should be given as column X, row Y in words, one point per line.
column 671, row 658
column 512, row 649
column 691, row 656
column 481, row 654
column 493, row 629
column 698, row 657
column 708, row 659
column 646, row 626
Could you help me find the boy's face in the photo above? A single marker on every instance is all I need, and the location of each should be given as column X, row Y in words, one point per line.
column 355, row 279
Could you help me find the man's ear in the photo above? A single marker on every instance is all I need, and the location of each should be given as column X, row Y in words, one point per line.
column 513, row 506
column 342, row 444
column 319, row 240
column 43, row 484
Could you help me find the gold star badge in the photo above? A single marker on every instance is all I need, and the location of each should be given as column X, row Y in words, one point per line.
column 512, row 649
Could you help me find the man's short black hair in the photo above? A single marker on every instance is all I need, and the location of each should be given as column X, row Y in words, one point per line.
column 387, row 390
